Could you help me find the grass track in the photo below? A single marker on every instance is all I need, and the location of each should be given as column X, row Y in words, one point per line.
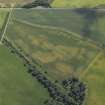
column 91, row 64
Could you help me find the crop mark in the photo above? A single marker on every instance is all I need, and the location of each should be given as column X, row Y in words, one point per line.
column 60, row 29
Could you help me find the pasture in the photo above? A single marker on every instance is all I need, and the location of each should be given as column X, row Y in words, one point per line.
column 17, row 87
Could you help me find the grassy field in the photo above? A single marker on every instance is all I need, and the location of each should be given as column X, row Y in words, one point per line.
column 77, row 3
column 17, row 87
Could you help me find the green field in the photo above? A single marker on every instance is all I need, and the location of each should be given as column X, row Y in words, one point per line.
column 17, row 87
column 77, row 3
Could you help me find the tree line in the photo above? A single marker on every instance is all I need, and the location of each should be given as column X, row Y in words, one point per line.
column 76, row 89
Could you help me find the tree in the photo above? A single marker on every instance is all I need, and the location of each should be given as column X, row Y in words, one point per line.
column 36, row 3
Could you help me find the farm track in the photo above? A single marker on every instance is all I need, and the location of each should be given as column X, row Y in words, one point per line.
column 91, row 64
column 3, row 26
column 61, row 29
column 4, row 29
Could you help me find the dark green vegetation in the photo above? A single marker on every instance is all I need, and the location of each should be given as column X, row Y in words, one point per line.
column 36, row 3
column 75, row 89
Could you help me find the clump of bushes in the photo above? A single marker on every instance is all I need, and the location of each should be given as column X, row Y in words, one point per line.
column 76, row 89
